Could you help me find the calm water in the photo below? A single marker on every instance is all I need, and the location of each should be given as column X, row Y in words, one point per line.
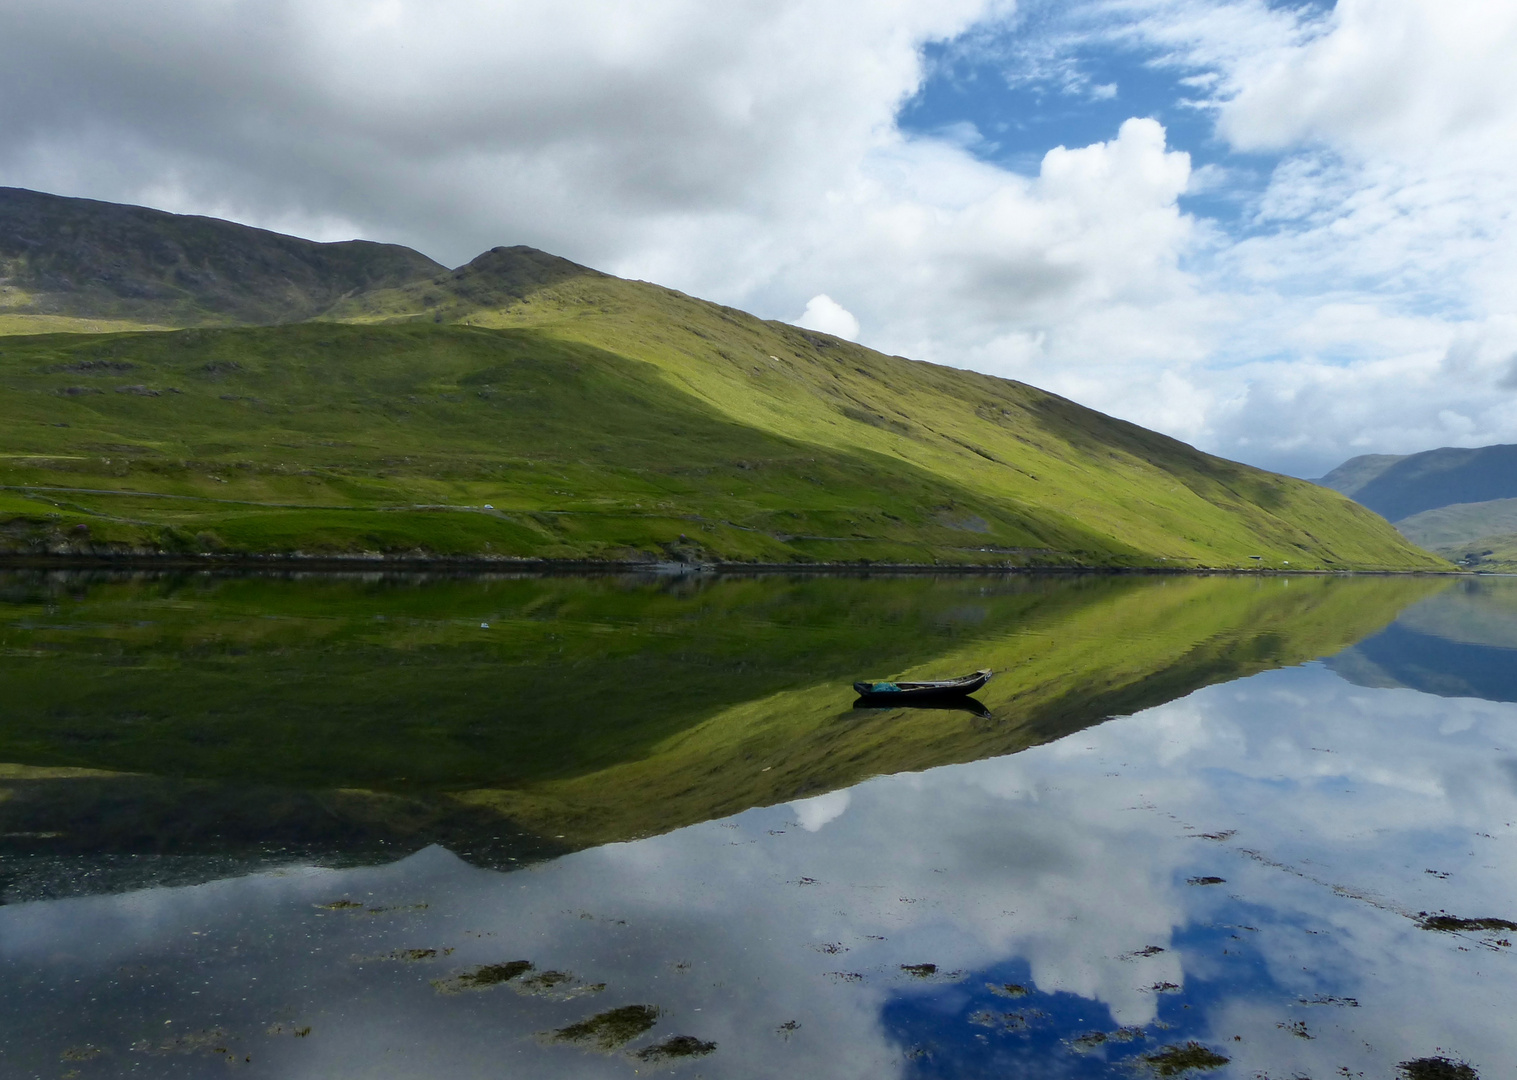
column 569, row 827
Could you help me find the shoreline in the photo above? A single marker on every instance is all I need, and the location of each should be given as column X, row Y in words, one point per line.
column 468, row 565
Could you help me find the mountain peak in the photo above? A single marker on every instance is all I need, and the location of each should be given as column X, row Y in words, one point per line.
column 64, row 257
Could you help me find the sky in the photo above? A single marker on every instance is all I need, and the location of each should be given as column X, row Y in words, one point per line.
column 1283, row 232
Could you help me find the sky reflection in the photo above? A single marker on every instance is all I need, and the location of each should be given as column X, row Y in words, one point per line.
column 800, row 936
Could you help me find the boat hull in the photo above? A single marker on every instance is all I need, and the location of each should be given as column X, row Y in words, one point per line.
column 884, row 692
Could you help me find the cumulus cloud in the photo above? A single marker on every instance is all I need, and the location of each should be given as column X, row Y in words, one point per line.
column 830, row 317
column 593, row 127
column 1365, row 295
column 750, row 152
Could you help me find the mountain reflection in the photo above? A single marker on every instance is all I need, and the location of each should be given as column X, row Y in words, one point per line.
column 167, row 730
column 1461, row 642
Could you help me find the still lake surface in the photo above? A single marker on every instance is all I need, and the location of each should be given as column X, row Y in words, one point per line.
column 405, row 827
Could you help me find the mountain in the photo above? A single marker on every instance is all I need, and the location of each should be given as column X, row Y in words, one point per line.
column 1356, row 472
column 1398, row 487
column 523, row 406
column 64, row 262
column 1461, row 503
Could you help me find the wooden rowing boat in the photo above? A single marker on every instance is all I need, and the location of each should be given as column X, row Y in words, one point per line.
column 913, row 691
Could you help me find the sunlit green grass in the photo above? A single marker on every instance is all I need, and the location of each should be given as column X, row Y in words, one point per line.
column 327, row 438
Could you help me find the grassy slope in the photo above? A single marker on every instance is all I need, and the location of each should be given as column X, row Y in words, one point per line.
column 1460, row 523
column 335, row 438
column 1489, row 554
column 324, row 437
column 611, row 419
column 1032, row 450
column 602, row 709
column 1481, row 536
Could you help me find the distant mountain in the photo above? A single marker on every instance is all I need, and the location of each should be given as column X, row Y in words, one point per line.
column 65, row 259
column 1398, row 487
column 524, row 406
column 1460, row 503
column 1354, row 473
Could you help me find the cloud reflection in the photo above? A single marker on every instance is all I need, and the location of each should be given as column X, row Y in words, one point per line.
column 799, row 936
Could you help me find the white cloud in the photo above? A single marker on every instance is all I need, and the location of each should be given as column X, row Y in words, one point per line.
column 749, row 152
column 1383, row 251
column 830, row 317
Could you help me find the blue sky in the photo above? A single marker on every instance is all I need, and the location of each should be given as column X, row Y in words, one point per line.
column 1285, row 233
column 1009, row 106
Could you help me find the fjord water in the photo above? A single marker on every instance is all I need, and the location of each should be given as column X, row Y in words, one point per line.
column 594, row 826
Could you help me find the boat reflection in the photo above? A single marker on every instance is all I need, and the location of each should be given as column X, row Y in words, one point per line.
column 972, row 706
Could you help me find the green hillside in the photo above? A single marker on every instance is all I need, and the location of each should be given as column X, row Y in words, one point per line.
column 1494, row 553
column 526, row 407
column 326, row 438
column 1480, row 536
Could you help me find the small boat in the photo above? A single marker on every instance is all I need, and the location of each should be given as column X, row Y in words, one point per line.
column 881, row 692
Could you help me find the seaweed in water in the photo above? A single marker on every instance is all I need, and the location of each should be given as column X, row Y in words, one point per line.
column 413, row 956
column 610, row 1029
column 1094, row 1039
column 1437, row 1068
column 212, row 1041
column 676, row 1046
column 920, row 971
column 1206, row 881
column 1007, row 1021
column 1175, row 1060
column 1444, row 921
column 1011, row 990
column 483, row 978
column 559, row 985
